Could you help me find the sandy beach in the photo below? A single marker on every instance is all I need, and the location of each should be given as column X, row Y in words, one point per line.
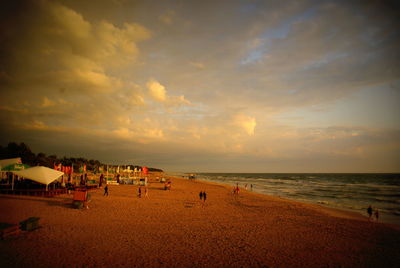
column 175, row 229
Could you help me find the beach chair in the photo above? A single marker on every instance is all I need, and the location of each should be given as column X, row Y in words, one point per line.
column 30, row 224
column 8, row 230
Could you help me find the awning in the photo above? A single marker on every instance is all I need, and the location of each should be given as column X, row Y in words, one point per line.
column 42, row 175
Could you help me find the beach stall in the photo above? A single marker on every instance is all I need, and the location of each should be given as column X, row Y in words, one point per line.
column 5, row 165
column 6, row 162
column 15, row 167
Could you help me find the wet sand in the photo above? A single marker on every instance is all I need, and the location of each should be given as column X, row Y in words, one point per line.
column 175, row 229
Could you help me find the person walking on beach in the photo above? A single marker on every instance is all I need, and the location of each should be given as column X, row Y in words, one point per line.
column 376, row 214
column 105, row 190
column 140, row 192
column 369, row 211
column 201, row 195
column 101, row 180
column 204, row 196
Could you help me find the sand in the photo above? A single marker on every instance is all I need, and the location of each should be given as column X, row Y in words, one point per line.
column 174, row 229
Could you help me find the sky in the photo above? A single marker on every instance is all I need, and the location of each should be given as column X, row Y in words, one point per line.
column 205, row 86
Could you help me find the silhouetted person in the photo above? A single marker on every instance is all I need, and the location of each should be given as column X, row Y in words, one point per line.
column 369, row 211
column 201, row 195
column 376, row 214
column 140, row 192
column 204, row 196
column 105, row 190
column 101, row 180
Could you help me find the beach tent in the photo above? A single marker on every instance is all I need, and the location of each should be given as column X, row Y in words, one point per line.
column 6, row 162
column 8, row 165
column 41, row 175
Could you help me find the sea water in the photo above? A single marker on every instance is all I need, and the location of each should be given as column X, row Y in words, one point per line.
column 353, row 192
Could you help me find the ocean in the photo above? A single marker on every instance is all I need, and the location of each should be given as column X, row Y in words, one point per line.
column 352, row 192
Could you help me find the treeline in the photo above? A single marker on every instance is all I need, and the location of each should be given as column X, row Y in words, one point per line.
column 14, row 150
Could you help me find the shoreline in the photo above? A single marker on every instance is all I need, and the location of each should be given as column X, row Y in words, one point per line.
column 175, row 229
column 352, row 206
column 332, row 211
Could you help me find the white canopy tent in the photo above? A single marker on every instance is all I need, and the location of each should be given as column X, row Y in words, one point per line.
column 39, row 174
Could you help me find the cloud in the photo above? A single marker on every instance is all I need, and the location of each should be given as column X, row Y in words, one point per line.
column 159, row 94
column 247, row 123
column 66, row 50
column 157, row 91
column 54, row 53
column 145, row 136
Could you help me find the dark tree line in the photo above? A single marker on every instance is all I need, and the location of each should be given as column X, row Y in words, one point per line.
column 14, row 150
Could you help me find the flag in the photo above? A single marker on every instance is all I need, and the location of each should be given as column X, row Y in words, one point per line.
column 145, row 170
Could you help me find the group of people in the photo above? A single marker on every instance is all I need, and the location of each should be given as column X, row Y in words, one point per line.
column 140, row 192
column 203, row 196
column 236, row 189
column 370, row 211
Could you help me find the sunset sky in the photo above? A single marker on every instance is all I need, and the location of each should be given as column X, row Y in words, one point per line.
column 219, row 86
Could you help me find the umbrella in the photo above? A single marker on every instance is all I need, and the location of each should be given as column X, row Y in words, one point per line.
column 39, row 174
